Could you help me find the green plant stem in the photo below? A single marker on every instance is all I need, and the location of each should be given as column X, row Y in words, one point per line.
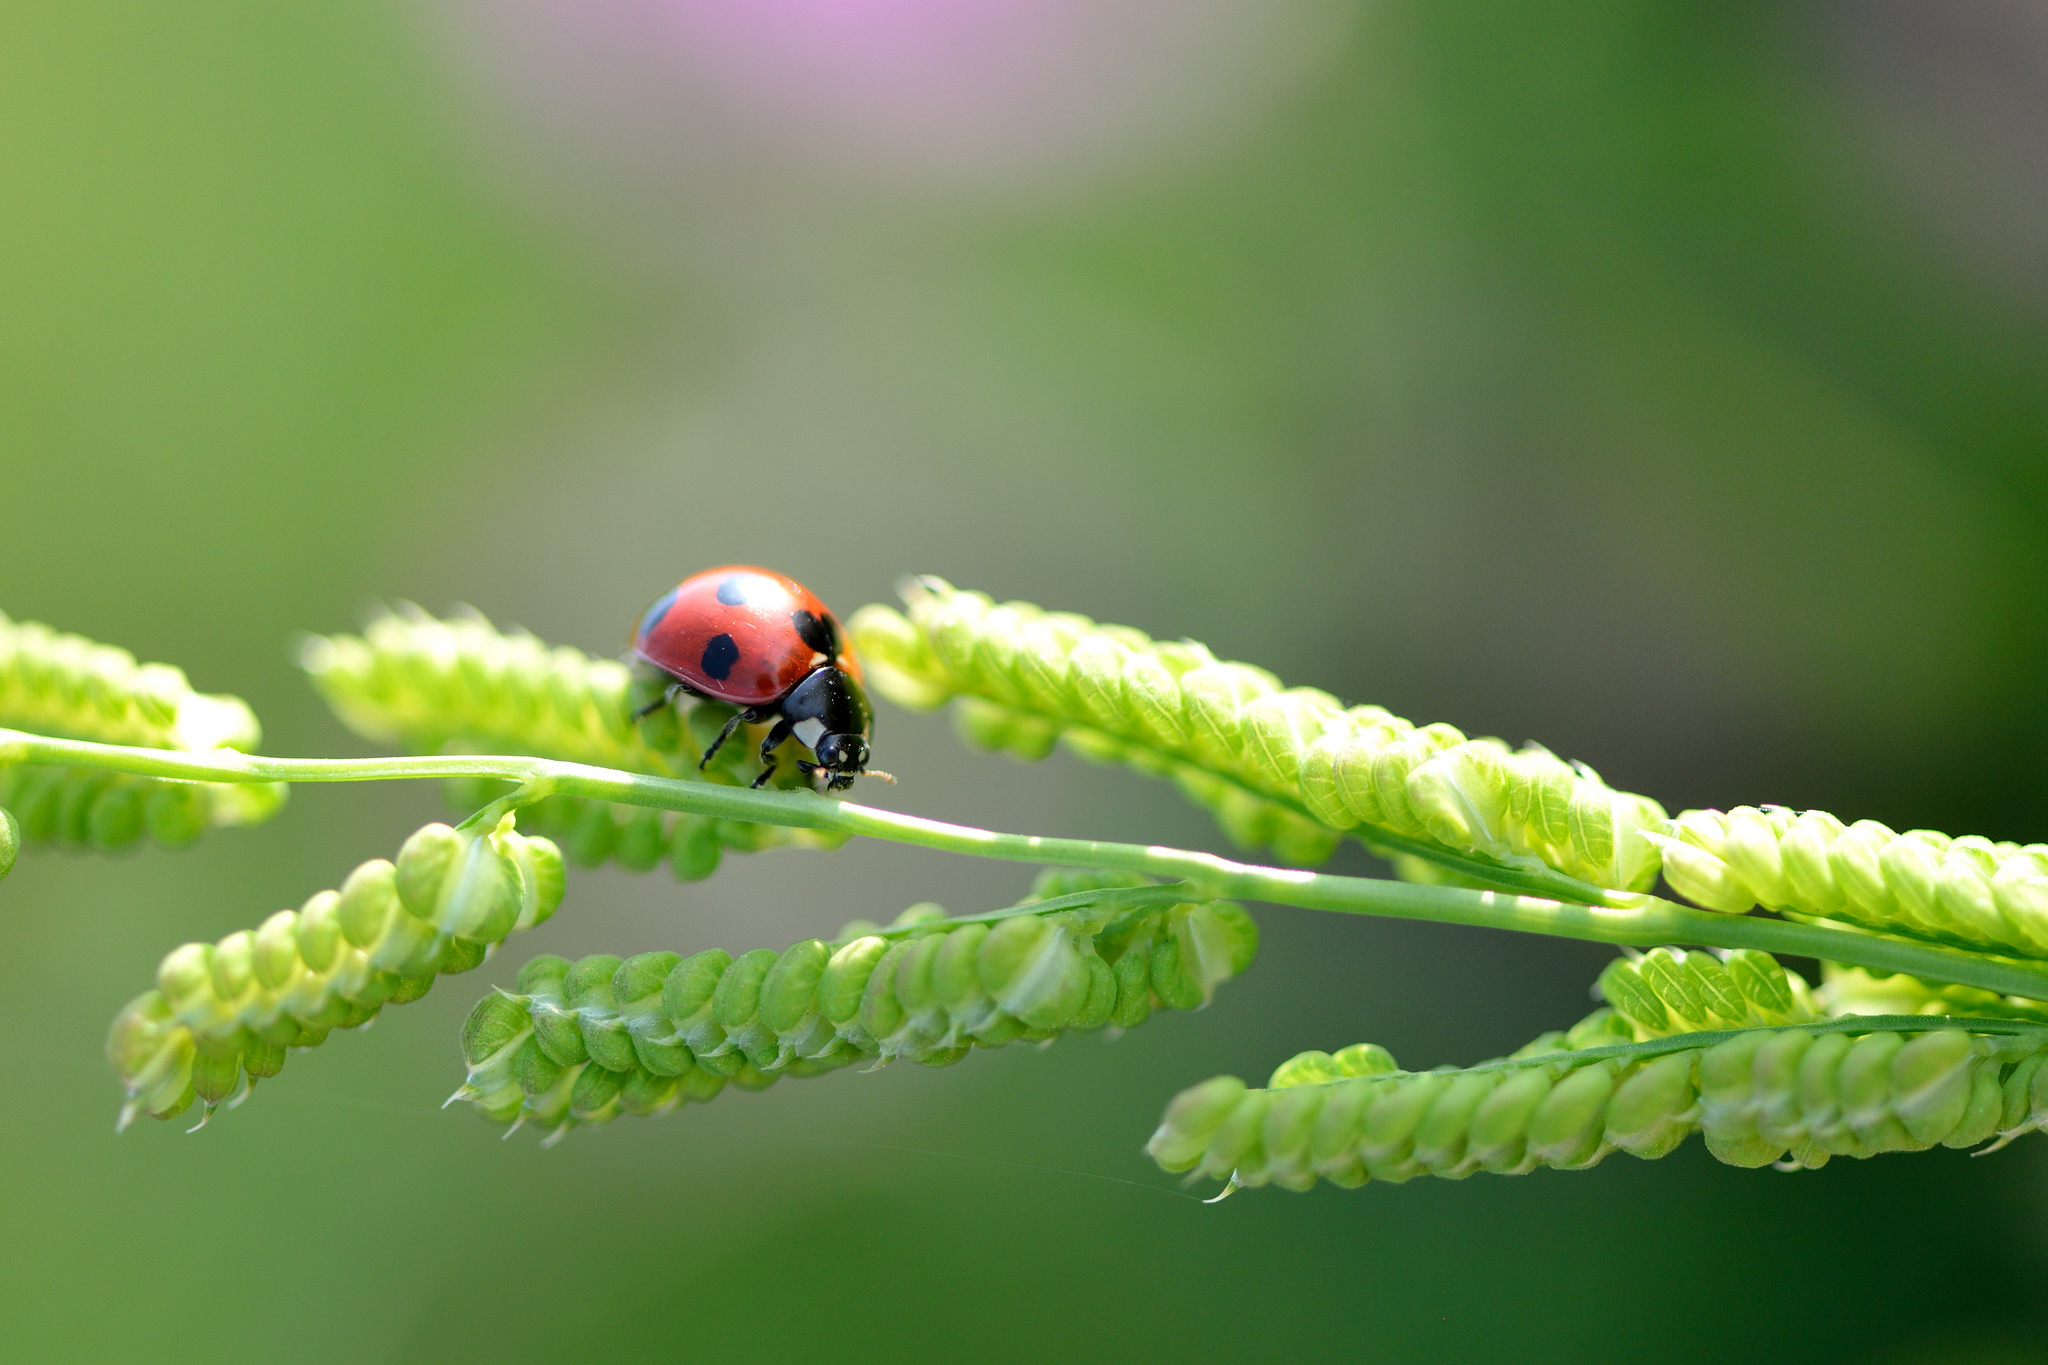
column 1647, row 923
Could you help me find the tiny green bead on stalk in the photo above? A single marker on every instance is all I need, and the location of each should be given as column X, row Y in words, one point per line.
column 659, row 1029
column 1797, row 1096
column 1967, row 891
column 462, row 685
column 223, row 1014
column 1288, row 768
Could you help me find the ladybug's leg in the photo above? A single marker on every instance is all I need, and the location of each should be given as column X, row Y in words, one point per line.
column 738, row 718
column 769, row 744
column 667, row 697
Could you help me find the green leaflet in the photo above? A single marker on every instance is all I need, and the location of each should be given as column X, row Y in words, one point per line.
column 579, row 1043
column 223, row 1014
column 461, row 685
column 1285, row 768
column 67, row 685
column 1922, row 883
column 1759, row 1095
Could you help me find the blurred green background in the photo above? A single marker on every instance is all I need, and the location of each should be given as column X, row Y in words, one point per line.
column 1661, row 381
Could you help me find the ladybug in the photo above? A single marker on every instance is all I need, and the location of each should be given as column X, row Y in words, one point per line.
column 764, row 643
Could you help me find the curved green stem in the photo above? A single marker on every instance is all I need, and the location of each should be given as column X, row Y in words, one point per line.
column 1645, row 923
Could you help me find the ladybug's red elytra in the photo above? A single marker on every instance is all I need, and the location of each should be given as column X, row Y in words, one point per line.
column 763, row 642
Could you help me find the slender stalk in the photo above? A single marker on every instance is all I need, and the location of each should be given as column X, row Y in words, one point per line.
column 1646, row 923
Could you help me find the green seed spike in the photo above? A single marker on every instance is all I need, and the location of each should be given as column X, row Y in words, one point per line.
column 1796, row 1095
column 1966, row 891
column 1669, row 991
column 1286, row 768
column 461, row 685
column 69, row 686
column 665, row 1030
column 223, row 1014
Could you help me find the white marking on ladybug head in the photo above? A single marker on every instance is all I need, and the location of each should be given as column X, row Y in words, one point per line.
column 809, row 732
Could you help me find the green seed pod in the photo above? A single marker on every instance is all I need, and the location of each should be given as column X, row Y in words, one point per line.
column 845, row 978
column 497, row 1025
column 594, row 1096
column 175, row 814
column 276, row 958
column 1460, row 795
column 10, row 841
column 1931, row 1082
column 1278, row 729
column 738, row 997
column 1499, row 1131
column 1133, row 971
column 1213, row 698
column 1775, row 1091
column 1728, row 1118
column 115, row 820
column 320, row 937
column 1566, row 1128
column 687, row 998
column 557, row 1028
column 693, row 850
column 1820, row 1097
column 1289, row 1130
column 1099, row 1001
column 1387, row 1138
column 369, row 900
column 789, row 991
column 642, row 842
column 153, row 1055
column 956, row 972
column 1238, row 1140
column 1654, row 1108
column 1979, row 1123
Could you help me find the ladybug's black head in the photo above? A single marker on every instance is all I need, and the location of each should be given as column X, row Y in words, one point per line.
column 845, row 756
column 829, row 713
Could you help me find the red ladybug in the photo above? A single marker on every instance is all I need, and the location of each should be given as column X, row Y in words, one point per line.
column 764, row 643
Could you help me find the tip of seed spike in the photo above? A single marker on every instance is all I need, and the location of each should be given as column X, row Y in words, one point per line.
column 126, row 1116
column 1230, row 1187
column 462, row 1092
column 205, row 1117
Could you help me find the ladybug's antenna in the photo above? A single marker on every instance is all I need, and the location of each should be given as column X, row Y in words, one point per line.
column 890, row 778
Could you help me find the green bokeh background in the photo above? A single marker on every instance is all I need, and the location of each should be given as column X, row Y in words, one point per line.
column 1599, row 373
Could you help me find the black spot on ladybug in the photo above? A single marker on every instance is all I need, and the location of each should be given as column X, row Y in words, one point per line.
column 733, row 592
column 815, row 631
column 657, row 611
column 720, row 654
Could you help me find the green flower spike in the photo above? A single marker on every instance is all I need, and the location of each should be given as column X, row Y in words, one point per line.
column 69, row 686
column 223, row 1014
column 1966, row 891
column 1287, row 768
column 461, row 685
column 1796, row 1096
column 579, row 1043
